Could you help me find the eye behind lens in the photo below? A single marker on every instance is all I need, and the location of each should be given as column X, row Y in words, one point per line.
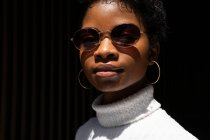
column 86, row 38
column 125, row 34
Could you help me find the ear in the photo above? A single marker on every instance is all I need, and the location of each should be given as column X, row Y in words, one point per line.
column 154, row 53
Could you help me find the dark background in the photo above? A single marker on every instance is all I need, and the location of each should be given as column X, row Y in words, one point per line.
column 40, row 98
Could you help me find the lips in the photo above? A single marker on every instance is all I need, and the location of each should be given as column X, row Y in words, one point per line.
column 107, row 70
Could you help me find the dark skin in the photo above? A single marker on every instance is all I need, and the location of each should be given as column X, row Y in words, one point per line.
column 129, row 64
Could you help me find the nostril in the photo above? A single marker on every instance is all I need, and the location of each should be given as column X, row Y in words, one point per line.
column 106, row 57
column 111, row 55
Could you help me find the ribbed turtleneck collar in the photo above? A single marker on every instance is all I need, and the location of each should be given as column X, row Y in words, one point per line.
column 127, row 110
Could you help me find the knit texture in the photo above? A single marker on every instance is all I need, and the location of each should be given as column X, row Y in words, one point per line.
column 138, row 117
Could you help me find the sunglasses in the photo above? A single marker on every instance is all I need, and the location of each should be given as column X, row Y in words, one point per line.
column 124, row 35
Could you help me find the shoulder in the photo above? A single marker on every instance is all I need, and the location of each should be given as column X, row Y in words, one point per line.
column 157, row 125
column 86, row 129
column 169, row 127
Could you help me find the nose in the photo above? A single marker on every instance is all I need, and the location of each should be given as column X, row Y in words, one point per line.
column 106, row 51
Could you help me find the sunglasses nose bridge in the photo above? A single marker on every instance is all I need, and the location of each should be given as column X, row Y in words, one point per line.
column 105, row 44
column 104, row 35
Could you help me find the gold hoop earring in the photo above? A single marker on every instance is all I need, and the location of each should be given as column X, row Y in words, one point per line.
column 154, row 62
column 80, row 80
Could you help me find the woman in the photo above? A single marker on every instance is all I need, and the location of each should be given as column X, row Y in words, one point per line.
column 118, row 41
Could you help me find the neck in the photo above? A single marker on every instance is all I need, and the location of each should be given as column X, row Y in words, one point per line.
column 118, row 95
column 127, row 110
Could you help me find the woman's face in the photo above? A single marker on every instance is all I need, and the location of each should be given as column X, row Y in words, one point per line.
column 112, row 68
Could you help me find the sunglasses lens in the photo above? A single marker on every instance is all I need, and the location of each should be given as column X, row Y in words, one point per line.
column 86, row 39
column 125, row 35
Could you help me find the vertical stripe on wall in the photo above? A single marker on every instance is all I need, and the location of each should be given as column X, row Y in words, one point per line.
column 40, row 98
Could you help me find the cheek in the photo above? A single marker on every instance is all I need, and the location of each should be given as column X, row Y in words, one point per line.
column 138, row 63
column 137, row 68
column 143, row 47
column 86, row 65
column 84, row 58
column 84, row 61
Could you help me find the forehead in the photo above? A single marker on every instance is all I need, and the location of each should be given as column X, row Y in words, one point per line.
column 107, row 15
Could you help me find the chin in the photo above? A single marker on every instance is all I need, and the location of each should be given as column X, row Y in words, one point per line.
column 107, row 90
column 110, row 87
column 119, row 87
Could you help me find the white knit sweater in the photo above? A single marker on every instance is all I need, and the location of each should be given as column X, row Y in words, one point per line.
column 138, row 117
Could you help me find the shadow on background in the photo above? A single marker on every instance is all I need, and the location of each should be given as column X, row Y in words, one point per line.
column 40, row 98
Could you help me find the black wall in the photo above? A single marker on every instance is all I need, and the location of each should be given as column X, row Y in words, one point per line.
column 40, row 98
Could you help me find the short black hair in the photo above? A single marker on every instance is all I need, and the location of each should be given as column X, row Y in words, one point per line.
column 151, row 12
